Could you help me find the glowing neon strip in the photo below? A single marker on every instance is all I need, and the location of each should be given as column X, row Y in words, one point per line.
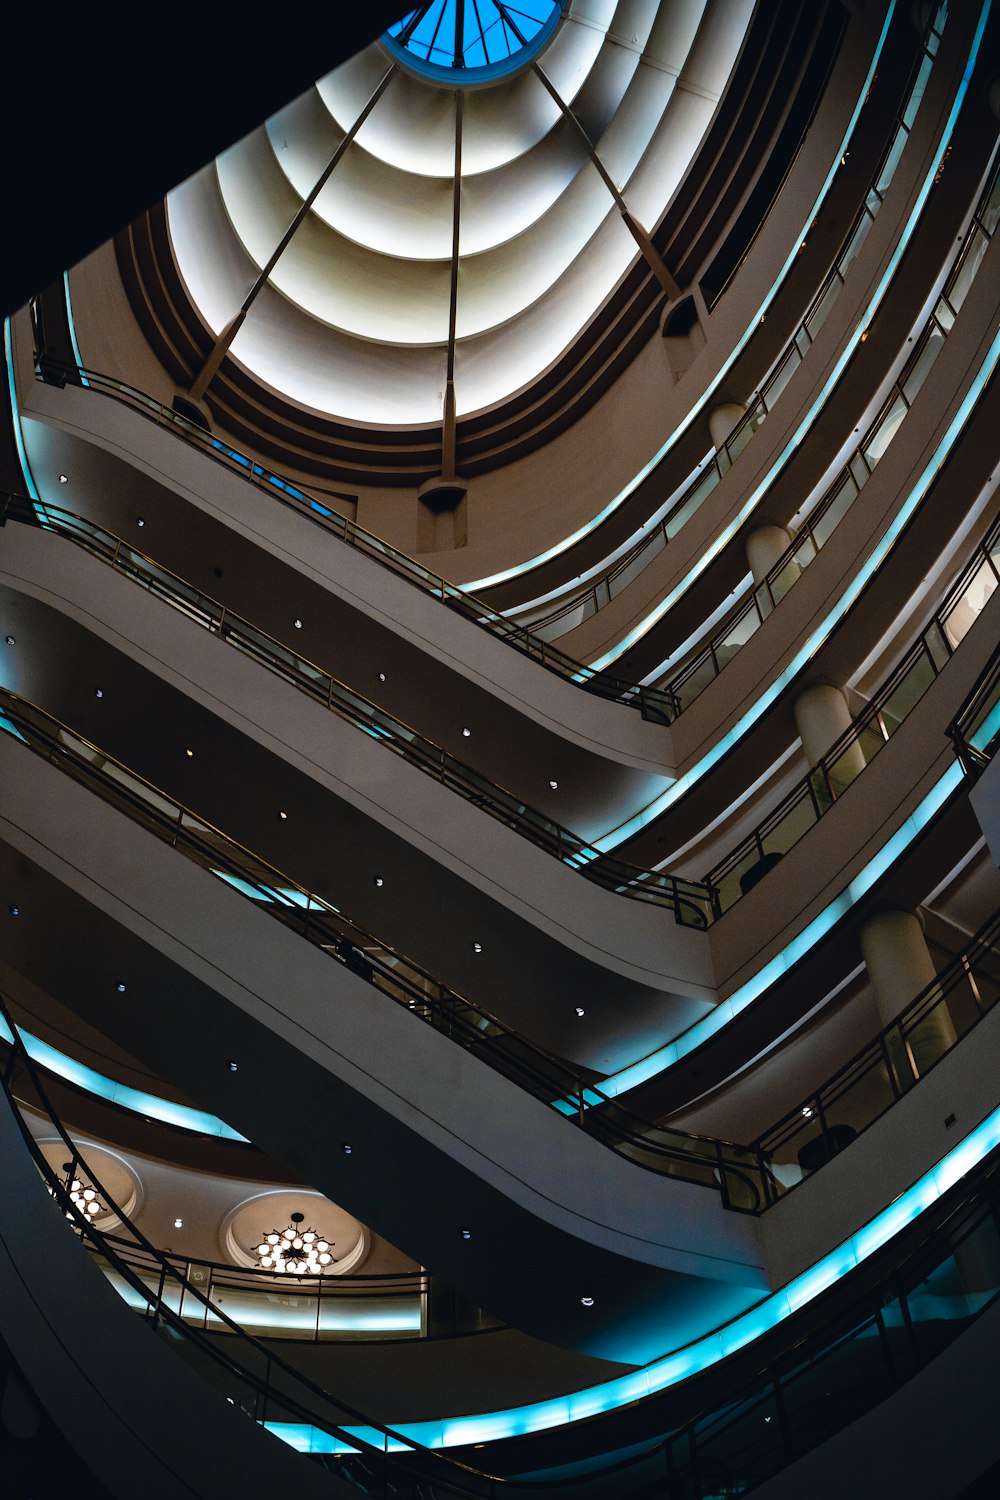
column 847, row 352
column 542, row 1416
column 134, row 1100
column 15, row 414
column 72, row 332
column 678, row 432
column 666, row 798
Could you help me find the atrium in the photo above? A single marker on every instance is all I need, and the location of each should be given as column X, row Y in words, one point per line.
column 499, row 847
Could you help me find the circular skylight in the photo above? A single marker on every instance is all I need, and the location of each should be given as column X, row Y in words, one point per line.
column 465, row 41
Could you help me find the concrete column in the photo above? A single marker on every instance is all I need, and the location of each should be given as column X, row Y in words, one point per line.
column 899, row 966
column 763, row 548
column 821, row 716
column 724, row 420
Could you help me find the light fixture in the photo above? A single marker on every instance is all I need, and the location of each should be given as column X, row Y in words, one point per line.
column 378, row 881
column 587, row 1301
column 346, row 1147
column 98, row 692
column 466, row 1234
column 232, row 1066
column 807, row 1113
column 11, row 640
column 140, row 520
column 178, row 1223
column 580, row 1010
column 554, row 785
column 15, row 911
column 189, row 754
column 64, row 479
column 466, row 733
column 381, row 677
column 283, row 815
column 120, row 987
column 297, row 624
column 294, row 1251
column 82, row 1195
column 477, row 947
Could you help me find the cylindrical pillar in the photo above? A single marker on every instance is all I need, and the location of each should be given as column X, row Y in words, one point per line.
column 763, row 548
column 724, row 420
column 821, row 717
column 899, row 966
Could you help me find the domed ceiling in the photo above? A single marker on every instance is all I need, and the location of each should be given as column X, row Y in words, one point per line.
column 440, row 216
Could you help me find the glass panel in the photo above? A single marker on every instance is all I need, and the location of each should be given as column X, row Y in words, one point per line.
column 939, row 1308
column 891, row 161
column 920, row 367
column 917, row 92
column 859, row 1100
column 989, row 214
column 819, row 314
column 930, row 1036
column 793, row 825
column 854, row 243
column 643, row 556
column 701, row 491
column 698, row 680
column 958, row 290
column 884, row 432
column 841, row 501
column 736, row 636
column 782, row 376
column 904, row 698
column 965, row 611
column 835, row 1386
column 786, row 575
column 741, row 1445
column 847, row 767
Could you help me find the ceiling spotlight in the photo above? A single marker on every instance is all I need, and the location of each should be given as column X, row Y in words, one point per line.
column 381, row 677
column 466, row 1234
column 297, row 624
column 346, row 1147
column 140, row 520
column 178, row 1223
column 477, row 947
column 378, row 881
column 15, row 911
column 282, row 815
column 11, row 640
column 466, row 733
column 189, row 754
column 120, row 987
column 98, row 692
column 580, row 1011
column 554, row 785
column 64, row 479
column 587, row 1301
column 232, row 1066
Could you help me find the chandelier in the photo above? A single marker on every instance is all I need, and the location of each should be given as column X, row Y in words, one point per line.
column 294, row 1251
column 82, row 1197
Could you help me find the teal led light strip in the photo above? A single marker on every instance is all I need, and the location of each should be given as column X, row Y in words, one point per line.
column 611, row 840
column 846, row 354
column 72, row 332
column 15, row 414
column 542, row 1416
column 678, row 432
column 135, row 1100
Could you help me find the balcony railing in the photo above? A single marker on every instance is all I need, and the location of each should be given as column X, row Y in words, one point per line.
column 976, row 730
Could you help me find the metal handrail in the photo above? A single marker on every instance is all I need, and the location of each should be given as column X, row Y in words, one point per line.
column 443, row 1465
column 722, row 1166
column 974, row 717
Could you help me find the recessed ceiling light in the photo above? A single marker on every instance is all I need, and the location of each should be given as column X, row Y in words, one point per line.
column 11, row 640
column 98, row 692
column 346, row 1147
column 120, row 987
column 282, row 815
column 15, row 911
column 554, row 785
column 466, row 1234
column 381, row 677
column 587, row 1301
column 232, row 1066
column 477, row 947
column 466, row 733
column 297, row 624
column 64, row 479
column 379, row 881
column 178, row 1223
column 140, row 520
column 189, row 753
column 579, row 1010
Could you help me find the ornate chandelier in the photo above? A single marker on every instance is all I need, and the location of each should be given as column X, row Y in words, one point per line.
column 294, row 1251
column 82, row 1196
